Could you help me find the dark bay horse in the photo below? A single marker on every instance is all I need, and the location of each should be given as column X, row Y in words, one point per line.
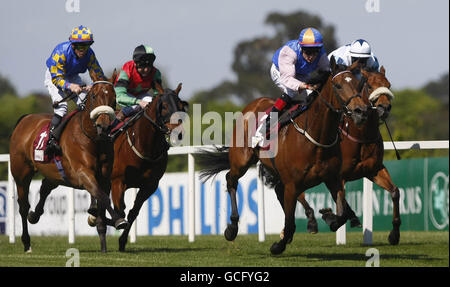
column 299, row 163
column 141, row 153
column 85, row 164
column 363, row 149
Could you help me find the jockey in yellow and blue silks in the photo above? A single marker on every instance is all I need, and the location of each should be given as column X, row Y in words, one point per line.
column 292, row 65
column 66, row 62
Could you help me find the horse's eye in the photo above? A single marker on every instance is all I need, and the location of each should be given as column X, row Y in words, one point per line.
column 338, row 86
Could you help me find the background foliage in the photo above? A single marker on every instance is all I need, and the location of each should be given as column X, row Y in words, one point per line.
column 417, row 114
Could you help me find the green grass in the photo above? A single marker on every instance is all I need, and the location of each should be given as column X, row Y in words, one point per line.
column 416, row 249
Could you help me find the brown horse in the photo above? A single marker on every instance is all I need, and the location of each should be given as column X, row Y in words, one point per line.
column 363, row 149
column 303, row 160
column 84, row 161
column 141, row 153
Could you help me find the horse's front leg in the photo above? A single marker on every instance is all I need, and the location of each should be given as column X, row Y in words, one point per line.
column 343, row 210
column 143, row 194
column 383, row 179
column 290, row 201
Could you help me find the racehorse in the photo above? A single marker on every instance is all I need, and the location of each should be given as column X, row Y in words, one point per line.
column 299, row 163
column 140, row 158
column 86, row 160
column 363, row 149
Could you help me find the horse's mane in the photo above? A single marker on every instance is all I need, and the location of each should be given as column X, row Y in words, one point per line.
column 319, row 77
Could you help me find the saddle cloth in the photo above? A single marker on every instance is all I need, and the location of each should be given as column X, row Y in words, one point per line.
column 283, row 120
column 40, row 142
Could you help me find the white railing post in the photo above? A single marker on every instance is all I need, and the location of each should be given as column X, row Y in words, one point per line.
column 191, row 195
column 367, row 211
column 133, row 230
column 341, row 235
column 10, row 205
column 71, row 214
column 261, row 217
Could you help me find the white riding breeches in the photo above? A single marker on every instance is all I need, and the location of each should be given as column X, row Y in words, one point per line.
column 57, row 94
column 276, row 78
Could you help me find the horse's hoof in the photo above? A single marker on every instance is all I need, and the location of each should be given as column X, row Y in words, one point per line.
column 354, row 222
column 325, row 211
column 28, row 249
column 32, row 217
column 121, row 224
column 92, row 211
column 277, row 248
column 312, row 227
column 394, row 237
column 231, row 232
column 92, row 220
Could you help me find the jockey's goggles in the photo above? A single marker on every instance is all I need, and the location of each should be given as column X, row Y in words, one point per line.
column 144, row 63
column 361, row 60
column 311, row 51
column 81, row 46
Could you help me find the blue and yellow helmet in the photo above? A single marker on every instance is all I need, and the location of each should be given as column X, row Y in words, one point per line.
column 81, row 34
column 310, row 37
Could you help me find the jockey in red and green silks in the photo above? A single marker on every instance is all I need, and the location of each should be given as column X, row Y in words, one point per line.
column 135, row 80
column 66, row 62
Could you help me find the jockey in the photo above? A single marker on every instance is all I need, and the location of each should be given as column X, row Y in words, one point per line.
column 292, row 65
column 66, row 62
column 136, row 78
column 358, row 50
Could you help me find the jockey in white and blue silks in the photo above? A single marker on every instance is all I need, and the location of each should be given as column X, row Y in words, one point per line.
column 292, row 65
column 358, row 50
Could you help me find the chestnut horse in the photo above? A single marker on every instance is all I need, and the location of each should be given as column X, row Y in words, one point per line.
column 84, row 163
column 140, row 153
column 303, row 160
column 363, row 149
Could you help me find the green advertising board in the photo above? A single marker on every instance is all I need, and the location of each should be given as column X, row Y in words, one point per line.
column 424, row 201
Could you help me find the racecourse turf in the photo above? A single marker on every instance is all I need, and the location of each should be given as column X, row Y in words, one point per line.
column 416, row 249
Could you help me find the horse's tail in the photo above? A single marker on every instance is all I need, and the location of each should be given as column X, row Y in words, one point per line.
column 268, row 177
column 212, row 162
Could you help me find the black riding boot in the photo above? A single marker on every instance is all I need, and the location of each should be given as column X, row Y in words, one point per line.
column 279, row 106
column 53, row 138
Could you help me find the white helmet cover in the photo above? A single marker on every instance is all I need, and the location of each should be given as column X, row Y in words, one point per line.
column 360, row 49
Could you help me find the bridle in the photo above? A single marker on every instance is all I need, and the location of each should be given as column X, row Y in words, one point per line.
column 344, row 110
column 97, row 111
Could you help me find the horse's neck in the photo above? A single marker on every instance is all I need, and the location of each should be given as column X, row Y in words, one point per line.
column 146, row 134
column 322, row 122
column 86, row 125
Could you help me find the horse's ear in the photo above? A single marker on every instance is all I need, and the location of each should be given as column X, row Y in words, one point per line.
column 178, row 89
column 382, row 70
column 114, row 76
column 333, row 65
column 93, row 76
column 365, row 73
column 159, row 88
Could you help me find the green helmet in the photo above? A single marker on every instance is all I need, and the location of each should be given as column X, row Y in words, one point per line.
column 144, row 55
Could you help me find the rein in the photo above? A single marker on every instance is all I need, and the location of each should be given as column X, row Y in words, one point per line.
column 163, row 130
column 344, row 111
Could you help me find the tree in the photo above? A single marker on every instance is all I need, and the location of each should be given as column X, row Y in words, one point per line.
column 253, row 58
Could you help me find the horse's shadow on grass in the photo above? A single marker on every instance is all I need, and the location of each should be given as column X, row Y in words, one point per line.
column 138, row 250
